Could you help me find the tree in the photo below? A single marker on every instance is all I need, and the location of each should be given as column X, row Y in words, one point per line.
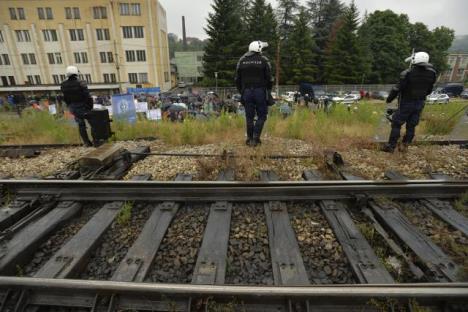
column 344, row 60
column 443, row 38
column 226, row 42
column 300, row 50
column 262, row 25
column 386, row 34
column 324, row 15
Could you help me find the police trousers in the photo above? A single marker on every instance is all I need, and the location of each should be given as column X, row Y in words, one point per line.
column 409, row 113
column 255, row 102
column 80, row 113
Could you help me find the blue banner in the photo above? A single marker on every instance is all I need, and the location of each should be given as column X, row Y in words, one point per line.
column 155, row 90
column 123, row 107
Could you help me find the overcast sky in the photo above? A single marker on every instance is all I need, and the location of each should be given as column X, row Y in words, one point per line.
column 450, row 13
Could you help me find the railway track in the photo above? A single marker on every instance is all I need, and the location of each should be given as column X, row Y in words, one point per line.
column 226, row 245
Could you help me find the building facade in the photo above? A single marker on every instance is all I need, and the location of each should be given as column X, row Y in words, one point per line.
column 189, row 66
column 458, row 68
column 114, row 44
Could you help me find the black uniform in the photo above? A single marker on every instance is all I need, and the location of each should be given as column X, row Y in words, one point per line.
column 254, row 82
column 78, row 99
column 415, row 84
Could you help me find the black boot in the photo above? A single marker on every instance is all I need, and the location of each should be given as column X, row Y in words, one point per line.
column 387, row 148
column 257, row 141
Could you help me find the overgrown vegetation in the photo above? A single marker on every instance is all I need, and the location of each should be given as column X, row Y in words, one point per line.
column 125, row 213
column 341, row 126
column 462, row 204
column 440, row 119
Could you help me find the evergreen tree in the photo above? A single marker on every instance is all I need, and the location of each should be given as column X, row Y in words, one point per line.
column 226, row 42
column 344, row 62
column 285, row 14
column 262, row 25
column 387, row 35
column 324, row 15
column 300, row 50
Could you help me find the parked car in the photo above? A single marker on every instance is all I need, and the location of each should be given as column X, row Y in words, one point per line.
column 181, row 84
column 453, row 89
column 347, row 99
column 320, row 95
column 289, row 96
column 434, row 98
column 380, row 95
column 356, row 94
column 464, row 94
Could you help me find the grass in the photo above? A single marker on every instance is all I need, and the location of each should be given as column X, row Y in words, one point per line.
column 440, row 119
column 125, row 213
column 462, row 204
column 341, row 127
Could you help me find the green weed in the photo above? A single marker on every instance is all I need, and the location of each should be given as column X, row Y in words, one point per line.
column 125, row 213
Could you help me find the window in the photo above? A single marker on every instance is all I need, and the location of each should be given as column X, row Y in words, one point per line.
column 50, row 35
column 106, row 57
column 25, row 59
column 199, row 58
column 68, row 13
column 127, row 32
column 132, row 32
column 4, row 80
column 49, row 13
column 135, row 9
column 76, row 13
column 63, row 77
column 143, row 77
column 37, row 78
column 12, row 80
column 130, row 55
column 45, row 13
column 72, row 13
column 56, row 79
column 58, row 58
column 76, row 35
column 41, row 13
column 108, row 78
column 1, row 36
column 166, row 76
column 138, row 30
column 124, row 9
column 13, row 13
column 54, row 58
column 99, row 12
column 21, row 15
column 102, row 34
column 4, row 59
column 32, row 59
column 23, row 36
column 88, row 78
column 81, row 57
column 133, row 77
column 141, row 55
column 28, row 59
column 30, row 79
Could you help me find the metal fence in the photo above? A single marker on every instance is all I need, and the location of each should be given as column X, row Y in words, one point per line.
column 225, row 91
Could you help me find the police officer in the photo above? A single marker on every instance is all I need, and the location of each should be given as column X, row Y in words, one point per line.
column 415, row 84
column 254, row 82
column 78, row 99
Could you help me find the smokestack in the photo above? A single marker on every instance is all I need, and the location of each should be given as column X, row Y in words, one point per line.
column 184, row 34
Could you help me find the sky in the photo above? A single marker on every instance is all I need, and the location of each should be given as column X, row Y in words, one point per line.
column 434, row 13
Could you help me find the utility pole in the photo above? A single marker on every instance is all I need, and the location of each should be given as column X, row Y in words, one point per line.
column 117, row 66
column 278, row 48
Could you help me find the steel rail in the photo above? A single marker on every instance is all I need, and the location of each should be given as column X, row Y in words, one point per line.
column 440, row 290
column 232, row 191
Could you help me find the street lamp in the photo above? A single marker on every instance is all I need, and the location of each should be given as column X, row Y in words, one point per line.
column 216, row 79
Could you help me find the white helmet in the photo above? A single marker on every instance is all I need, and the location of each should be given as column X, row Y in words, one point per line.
column 419, row 57
column 257, row 46
column 72, row 70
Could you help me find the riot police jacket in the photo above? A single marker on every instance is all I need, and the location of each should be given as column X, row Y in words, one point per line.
column 75, row 91
column 253, row 71
column 415, row 83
